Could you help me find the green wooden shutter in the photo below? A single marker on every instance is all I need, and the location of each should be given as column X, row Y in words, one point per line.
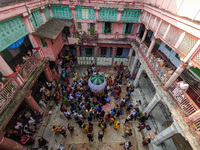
column 61, row 11
column 130, row 15
column 36, row 14
column 108, row 14
column 11, row 30
column 132, row 28
column 47, row 13
column 85, row 13
column 103, row 28
column 111, row 28
column 124, row 30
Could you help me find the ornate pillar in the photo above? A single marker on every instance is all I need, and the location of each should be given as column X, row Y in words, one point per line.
column 152, row 104
column 32, row 103
column 114, row 50
column 119, row 14
column 5, row 69
column 9, row 144
column 168, row 133
column 144, row 35
column 78, row 53
column 48, row 73
column 134, row 64
column 96, row 12
column 175, row 75
column 138, row 76
column 151, row 46
column 42, row 13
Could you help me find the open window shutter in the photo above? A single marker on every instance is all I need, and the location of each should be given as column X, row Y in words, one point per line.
column 124, row 30
column 111, row 28
column 132, row 28
column 103, row 28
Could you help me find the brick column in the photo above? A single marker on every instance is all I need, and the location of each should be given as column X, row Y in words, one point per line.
column 114, row 50
column 48, row 73
column 32, row 103
column 9, row 144
column 119, row 14
column 42, row 13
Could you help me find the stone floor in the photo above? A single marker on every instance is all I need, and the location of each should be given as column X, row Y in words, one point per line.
column 112, row 138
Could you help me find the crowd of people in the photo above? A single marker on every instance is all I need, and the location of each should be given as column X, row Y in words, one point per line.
column 78, row 102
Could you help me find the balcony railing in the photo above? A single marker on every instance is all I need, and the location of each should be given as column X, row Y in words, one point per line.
column 9, row 91
column 14, row 84
column 86, row 38
column 184, row 101
column 160, row 71
column 29, row 67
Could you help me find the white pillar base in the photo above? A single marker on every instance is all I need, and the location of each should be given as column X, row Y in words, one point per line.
column 156, row 99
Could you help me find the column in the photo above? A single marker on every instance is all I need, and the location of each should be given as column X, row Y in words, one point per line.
column 130, row 55
column 152, row 104
column 9, row 144
column 28, row 25
column 168, row 133
column 73, row 12
column 5, row 69
column 32, row 103
column 136, row 81
column 114, row 50
column 134, row 64
column 42, row 13
column 50, row 10
column 95, row 54
column 96, row 12
column 175, row 75
column 151, row 46
column 144, row 35
column 119, row 14
column 48, row 73
column 78, row 53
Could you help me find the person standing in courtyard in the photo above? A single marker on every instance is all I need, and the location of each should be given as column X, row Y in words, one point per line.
column 100, row 135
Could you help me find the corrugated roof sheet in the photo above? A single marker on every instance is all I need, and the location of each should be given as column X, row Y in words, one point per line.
column 52, row 28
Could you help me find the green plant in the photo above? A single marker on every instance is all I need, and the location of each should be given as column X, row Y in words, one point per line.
column 107, row 30
column 92, row 32
column 84, row 33
column 162, row 83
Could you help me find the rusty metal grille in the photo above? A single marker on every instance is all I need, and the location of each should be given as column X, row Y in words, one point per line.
column 146, row 18
column 152, row 21
column 163, row 28
column 155, row 27
column 197, row 58
column 186, row 44
column 173, row 35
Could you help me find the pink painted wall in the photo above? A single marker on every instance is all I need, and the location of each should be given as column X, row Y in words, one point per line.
column 52, row 50
column 118, row 27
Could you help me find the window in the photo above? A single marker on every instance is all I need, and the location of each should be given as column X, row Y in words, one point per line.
column 168, row 48
column 128, row 28
column 43, row 42
column 119, row 51
column 91, row 30
column 107, row 27
column 88, row 52
column 79, row 26
column 52, row 41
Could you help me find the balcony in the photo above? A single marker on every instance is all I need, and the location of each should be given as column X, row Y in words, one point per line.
column 20, row 80
column 86, row 39
column 182, row 99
